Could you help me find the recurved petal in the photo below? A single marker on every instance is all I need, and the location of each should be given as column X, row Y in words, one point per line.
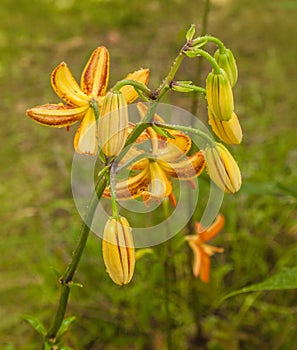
column 134, row 153
column 66, row 86
column 172, row 149
column 132, row 187
column 142, row 109
column 94, row 79
column 212, row 231
column 85, row 140
column 141, row 76
column 205, row 266
column 197, row 255
column 56, row 115
column 167, row 149
column 185, row 169
column 160, row 187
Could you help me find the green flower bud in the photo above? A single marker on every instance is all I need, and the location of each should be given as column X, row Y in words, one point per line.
column 219, row 95
column 227, row 62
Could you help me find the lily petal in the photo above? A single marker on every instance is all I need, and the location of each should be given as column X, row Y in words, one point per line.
column 197, row 256
column 66, row 86
column 132, row 187
column 85, row 140
column 141, row 76
column 56, row 115
column 228, row 131
column 205, row 266
column 160, row 187
column 133, row 153
column 185, row 169
column 170, row 150
column 142, row 109
column 167, row 149
column 94, row 78
column 212, row 231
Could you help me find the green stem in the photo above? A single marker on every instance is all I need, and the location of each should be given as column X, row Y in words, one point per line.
column 112, row 181
column 139, row 128
column 190, row 130
column 137, row 85
column 66, row 279
column 209, row 38
column 167, row 266
column 210, row 59
column 163, row 88
column 94, row 105
column 134, row 160
column 170, row 76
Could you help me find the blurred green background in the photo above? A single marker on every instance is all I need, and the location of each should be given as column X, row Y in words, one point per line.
column 39, row 221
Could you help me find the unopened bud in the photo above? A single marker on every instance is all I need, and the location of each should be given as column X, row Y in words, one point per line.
column 118, row 250
column 222, row 168
column 228, row 131
column 227, row 62
column 113, row 124
column 219, row 95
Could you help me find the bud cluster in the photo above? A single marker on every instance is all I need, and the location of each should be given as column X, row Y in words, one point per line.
column 219, row 95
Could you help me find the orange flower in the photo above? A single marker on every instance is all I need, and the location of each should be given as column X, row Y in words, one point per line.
column 202, row 251
column 168, row 159
column 79, row 99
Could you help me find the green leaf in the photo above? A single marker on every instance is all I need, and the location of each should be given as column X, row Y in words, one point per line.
column 191, row 32
column 75, row 284
column 285, row 279
column 35, row 323
column 182, row 88
column 192, row 53
column 65, row 325
column 199, row 42
column 162, row 132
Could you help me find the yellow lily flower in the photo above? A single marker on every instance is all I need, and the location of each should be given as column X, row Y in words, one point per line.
column 202, row 251
column 168, row 160
column 78, row 99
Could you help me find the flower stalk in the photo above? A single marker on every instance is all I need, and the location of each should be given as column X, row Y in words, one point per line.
column 68, row 275
column 104, row 126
